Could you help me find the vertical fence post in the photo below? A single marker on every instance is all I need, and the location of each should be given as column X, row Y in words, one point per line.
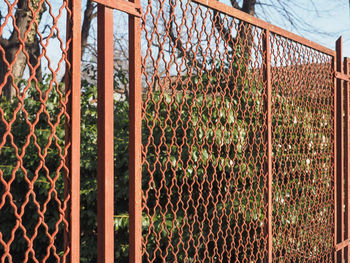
column 346, row 157
column 339, row 139
column 105, row 174
column 334, row 68
column 72, row 80
column 135, row 140
column 268, row 169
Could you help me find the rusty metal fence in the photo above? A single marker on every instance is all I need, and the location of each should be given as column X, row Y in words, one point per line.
column 238, row 137
column 39, row 158
column 238, row 141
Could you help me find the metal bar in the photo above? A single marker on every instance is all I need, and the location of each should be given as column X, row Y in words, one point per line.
column 339, row 150
column 229, row 10
column 122, row 5
column 268, row 109
column 346, row 157
column 73, row 85
column 105, row 175
column 135, row 140
column 342, row 245
column 75, row 133
column 342, row 76
column 334, row 67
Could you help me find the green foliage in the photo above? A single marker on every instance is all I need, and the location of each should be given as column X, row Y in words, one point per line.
column 32, row 134
column 40, row 162
column 203, row 172
column 302, row 182
column 208, row 140
column 89, row 175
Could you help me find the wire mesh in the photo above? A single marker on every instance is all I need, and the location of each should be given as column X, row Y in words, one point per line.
column 204, row 126
column 303, row 150
column 204, row 156
column 34, row 172
column 204, row 138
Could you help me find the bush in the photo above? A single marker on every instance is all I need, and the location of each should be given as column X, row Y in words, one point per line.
column 203, row 170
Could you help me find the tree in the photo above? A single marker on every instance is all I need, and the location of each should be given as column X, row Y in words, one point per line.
column 24, row 45
column 228, row 135
column 28, row 15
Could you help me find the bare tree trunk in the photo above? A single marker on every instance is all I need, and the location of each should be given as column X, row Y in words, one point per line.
column 88, row 17
column 14, row 49
column 11, row 48
column 245, row 29
column 33, row 58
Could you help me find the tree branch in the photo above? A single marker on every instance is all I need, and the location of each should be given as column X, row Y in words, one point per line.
column 249, row 6
column 235, row 4
column 224, row 32
column 4, row 43
column 88, row 17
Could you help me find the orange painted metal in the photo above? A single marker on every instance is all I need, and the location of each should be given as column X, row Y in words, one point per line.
column 123, row 5
column 135, row 141
column 303, row 146
column 39, row 132
column 334, row 67
column 339, row 237
column 237, row 161
column 342, row 245
column 224, row 8
column 267, row 80
column 238, row 148
column 73, row 77
column 105, row 132
column 346, row 156
column 342, row 76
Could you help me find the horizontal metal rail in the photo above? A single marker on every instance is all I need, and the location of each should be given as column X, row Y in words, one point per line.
column 223, row 8
column 342, row 76
column 122, row 5
column 342, row 245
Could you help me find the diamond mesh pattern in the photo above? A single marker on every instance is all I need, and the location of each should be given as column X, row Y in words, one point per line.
column 204, row 125
column 204, row 159
column 303, row 143
column 34, row 200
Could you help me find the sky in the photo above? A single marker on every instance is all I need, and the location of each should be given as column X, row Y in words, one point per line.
column 321, row 21
column 324, row 20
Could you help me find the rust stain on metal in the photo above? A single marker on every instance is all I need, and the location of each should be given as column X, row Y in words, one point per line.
column 237, row 155
column 236, row 145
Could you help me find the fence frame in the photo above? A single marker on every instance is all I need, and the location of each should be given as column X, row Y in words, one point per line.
column 268, row 109
column 73, row 81
column 341, row 240
column 341, row 75
column 341, row 79
column 106, row 130
column 342, row 139
column 346, row 156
